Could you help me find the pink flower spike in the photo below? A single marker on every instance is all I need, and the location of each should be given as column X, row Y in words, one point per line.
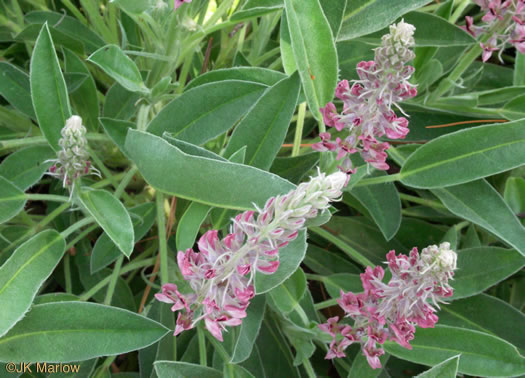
column 329, row 113
column 342, row 90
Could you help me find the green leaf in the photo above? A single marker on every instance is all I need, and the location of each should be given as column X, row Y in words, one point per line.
column 237, row 371
column 483, row 267
column 68, row 25
column 514, row 110
column 481, row 204
column 105, row 251
column 111, row 215
column 85, row 97
column 287, row 295
column 383, row 203
column 454, row 158
column 334, row 283
column 290, row 258
column 294, row 168
column 117, row 130
column 361, row 368
column 334, row 11
column 192, row 172
column 249, row 330
column 264, row 127
column 256, row 8
column 48, row 89
column 514, row 194
column 481, row 354
column 12, row 200
column 15, row 88
column 30, row 33
column 488, row 314
column 120, row 103
column 425, row 34
column 113, row 61
column 184, row 370
column 76, row 331
column 314, row 51
column 25, row 167
column 285, row 45
column 367, row 16
column 324, row 262
column 445, row 369
column 24, row 272
column 134, row 7
column 216, row 108
column 189, row 225
column 254, row 74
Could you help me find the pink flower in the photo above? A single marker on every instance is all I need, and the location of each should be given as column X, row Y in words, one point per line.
column 170, row 294
column 178, row 3
column 372, row 354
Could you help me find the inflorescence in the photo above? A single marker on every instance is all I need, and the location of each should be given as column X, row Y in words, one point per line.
column 367, row 103
column 392, row 311
column 221, row 274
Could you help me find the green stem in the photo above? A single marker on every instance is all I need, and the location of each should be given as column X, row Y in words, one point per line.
column 309, row 369
column 76, row 226
column 299, row 129
column 80, row 236
column 44, row 222
column 202, row 346
column 459, row 11
column 422, row 201
column 46, row 197
column 67, row 272
column 218, row 347
column 379, row 180
column 127, row 268
column 350, row 252
column 163, row 244
column 125, row 181
column 113, row 281
column 41, row 140
column 325, row 304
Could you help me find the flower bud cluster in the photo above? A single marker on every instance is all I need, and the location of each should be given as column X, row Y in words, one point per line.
column 505, row 15
column 392, row 311
column 72, row 160
column 367, row 110
column 221, row 274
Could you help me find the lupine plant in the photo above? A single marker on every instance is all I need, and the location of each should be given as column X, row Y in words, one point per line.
column 262, row 188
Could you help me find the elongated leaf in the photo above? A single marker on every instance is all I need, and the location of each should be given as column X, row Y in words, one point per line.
column 48, row 89
column 264, row 127
column 12, row 200
column 383, row 203
column 217, row 107
column 189, row 225
column 22, row 275
column 483, row 267
column 367, row 16
column 70, row 26
column 324, row 262
column 290, row 258
column 120, row 103
column 294, row 168
column 85, row 97
column 51, row 332
column 117, row 130
column 481, row 204
column 514, row 194
column 25, row 167
column 249, row 330
column 154, row 157
column 254, row 74
column 112, row 216
column 285, row 45
column 15, row 88
column 481, row 354
column 135, row 7
column 361, row 368
column 314, row 51
column 454, row 158
column 105, row 251
column 255, row 8
column 445, row 369
column 31, row 32
column 425, row 34
column 288, row 295
column 488, row 314
column 334, row 12
column 112, row 60
column 184, row 369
